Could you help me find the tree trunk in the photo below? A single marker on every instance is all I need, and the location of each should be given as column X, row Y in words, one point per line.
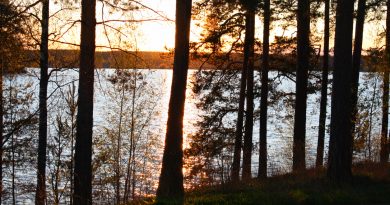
column 13, row 167
column 40, row 195
column 248, row 65
column 58, row 167
column 12, row 148
column 340, row 142
column 235, row 175
column 118, row 148
column 361, row 12
column 83, row 149
column 1, row 129
column 264, row 93
column 324, row 91
column 171, row 178
column 303, row 19
column 72, row 104
column 385, row 97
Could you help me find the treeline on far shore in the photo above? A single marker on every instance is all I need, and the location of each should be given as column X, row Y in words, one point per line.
column 62, row 58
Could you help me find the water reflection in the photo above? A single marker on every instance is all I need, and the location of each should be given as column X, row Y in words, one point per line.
column 158, row 83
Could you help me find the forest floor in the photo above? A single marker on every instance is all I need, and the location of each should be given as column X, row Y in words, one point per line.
column 370, row 185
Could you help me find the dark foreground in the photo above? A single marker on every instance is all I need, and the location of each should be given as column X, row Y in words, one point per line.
column 371, row 185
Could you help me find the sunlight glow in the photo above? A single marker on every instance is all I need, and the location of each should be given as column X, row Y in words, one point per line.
column 158, row 32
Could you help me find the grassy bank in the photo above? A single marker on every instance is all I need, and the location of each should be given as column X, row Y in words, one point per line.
column 370, row 185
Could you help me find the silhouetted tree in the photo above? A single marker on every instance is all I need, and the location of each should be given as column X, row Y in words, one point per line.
column 385, row 142
column 239, row 126
column 171, row 178
column 249, row 43
column 356, row 61
column 324, row 89
column 264, row 92
column 40, row 195
column 340, row 142
column 303, row 50
column 83, row 149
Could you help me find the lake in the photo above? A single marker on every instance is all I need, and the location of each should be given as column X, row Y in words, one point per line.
column 150, row 91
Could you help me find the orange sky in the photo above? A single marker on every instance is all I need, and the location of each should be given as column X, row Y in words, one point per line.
column 158, row 35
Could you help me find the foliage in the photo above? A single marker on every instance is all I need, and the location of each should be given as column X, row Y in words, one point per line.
column 11, row 37
column 126, row 145
column 19, row 143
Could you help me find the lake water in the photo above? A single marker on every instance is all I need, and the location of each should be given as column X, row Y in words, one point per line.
column 153, row 95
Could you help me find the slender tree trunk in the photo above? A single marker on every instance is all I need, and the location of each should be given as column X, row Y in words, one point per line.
column 72, row 111
column 361, row 12
column 385, row 145
column 303, row 49
column 71, row 160
column 40, row 195
column 126, row 195
column 340, row 142
column 83, row 151
column 12, row 148
column 13, row 168
column 133, row 142
column 324, row 91
column 132, row 130
column 171, row 178
column 57, row 169
column 127, row 181
column 1, row 129
column 264, row 92
column 235, row 175
column 248, row 64
column 133, row 177
column 118, row 154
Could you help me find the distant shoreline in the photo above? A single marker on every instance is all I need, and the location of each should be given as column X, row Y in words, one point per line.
column 154, row 60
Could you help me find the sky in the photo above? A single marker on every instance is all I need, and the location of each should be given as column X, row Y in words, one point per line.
column 159, row 34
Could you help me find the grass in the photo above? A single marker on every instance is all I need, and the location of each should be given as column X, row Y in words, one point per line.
column 370, row 185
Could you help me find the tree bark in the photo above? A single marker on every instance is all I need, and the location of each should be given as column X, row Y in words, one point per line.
column 118, row 148
column 235, row 175
column 1, row 126
column 384, row 153
column 12, row 147
column 340, row 142
column 361, row 12
column 83, row 150
column 303, row 19
column 324, row 91
column 72, row 104
column 249, row 43
column 1, row 129
column 171, row 178
column 264, row 92
column 40, row 195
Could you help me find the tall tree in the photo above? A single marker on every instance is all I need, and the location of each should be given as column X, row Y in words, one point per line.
column 1, row 128
column 357, row 53
column 385, row 145
column 171, row 178
column 40, row 195
column 83, row 149
column 249, row 42
column 264, row 92
column 324, row 89
column 340, row 142
column 303, row 45
column 235, row 175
